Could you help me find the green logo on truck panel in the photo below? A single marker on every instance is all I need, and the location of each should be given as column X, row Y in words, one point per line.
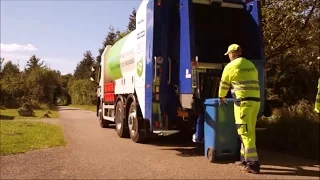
column 140, row 67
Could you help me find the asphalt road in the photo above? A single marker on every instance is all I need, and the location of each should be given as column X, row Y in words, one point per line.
column 96, row 153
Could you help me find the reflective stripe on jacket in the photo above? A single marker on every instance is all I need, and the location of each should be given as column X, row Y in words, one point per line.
column 241, row 76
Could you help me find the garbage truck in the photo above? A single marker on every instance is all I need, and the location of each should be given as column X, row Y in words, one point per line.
column 155, row 80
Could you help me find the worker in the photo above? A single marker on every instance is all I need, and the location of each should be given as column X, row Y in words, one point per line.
column 317, row 103
column 241, row 76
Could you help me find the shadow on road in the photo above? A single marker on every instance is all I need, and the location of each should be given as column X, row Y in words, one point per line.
column 279, row 164
column 4, row 117
column 182, row 144
column 171, row 141
column 187, row 152
column 272, row 163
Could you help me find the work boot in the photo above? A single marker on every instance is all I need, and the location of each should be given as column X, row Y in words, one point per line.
column 252, row 168
column 240, row 163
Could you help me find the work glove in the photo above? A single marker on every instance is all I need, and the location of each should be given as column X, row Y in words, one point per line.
column 223, row 101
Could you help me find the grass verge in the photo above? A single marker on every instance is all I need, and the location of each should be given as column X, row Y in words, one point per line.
column 12, row 114
column 85, row 107
column 21, row 136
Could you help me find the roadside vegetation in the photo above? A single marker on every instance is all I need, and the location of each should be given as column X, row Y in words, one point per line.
column 291, row 38
column 28, row 95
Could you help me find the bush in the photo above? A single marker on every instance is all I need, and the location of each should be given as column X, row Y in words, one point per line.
column 13, row 89
column 83, row 92
column 292, row 130
column 41, row 84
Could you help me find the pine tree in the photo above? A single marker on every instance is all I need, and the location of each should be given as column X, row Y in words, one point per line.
column 111, row 37
column 109, row 40
column 132, row 20
column 83, row 69
column 121, row 34
column 33, row 63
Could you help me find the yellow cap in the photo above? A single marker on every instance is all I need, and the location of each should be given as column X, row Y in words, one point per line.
column 232, row 47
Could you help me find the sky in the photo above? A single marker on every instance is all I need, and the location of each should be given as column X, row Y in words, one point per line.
column 59, row 31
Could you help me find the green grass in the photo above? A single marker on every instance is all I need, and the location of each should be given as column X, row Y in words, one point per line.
column 22, row 136
column 12, row 114
column 85, row 107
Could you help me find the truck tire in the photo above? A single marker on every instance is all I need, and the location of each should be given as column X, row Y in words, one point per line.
column 121, row 124
column 103, row 123
column 135, row 125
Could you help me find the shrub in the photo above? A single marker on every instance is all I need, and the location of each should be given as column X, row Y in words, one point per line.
column 293, row 130
column 83, row 92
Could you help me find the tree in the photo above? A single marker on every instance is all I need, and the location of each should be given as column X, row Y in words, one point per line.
column 42, row 83
column 10, row 69
column 83, row 92
column 109, row 40
column 121, row 34
column 1, row 64
column 291, row 39
column 12, row 85
column 65, row 80
column 83, row 69
column 132, row 20
column 34, row 62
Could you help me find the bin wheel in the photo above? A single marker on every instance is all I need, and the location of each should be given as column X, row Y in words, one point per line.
column 211, row 154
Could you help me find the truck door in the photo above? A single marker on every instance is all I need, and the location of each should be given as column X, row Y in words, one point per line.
column 165, row 65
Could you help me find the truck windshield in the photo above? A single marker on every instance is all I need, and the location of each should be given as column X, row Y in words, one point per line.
column 215, row 28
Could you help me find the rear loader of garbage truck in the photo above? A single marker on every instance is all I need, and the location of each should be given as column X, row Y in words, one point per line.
column 156, row 79
column 212, row 28
column 206, row 34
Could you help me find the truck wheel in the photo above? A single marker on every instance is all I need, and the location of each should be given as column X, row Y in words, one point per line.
column 120, row 123
column 103, row 123
column 211, row 155
column 135, row 125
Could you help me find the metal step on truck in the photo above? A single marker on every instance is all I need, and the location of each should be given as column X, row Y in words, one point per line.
column 156, row 79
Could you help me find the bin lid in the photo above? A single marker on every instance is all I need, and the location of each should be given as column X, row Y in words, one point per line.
column 215, row 101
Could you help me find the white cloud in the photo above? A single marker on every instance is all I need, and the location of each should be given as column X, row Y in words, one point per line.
column 19, row 54
column 17, row 47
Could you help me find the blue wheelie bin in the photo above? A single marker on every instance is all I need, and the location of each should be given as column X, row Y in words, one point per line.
column 220, row 134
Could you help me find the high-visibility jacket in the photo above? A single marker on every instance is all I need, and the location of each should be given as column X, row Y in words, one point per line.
column 241, row 76
column 317, row 103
